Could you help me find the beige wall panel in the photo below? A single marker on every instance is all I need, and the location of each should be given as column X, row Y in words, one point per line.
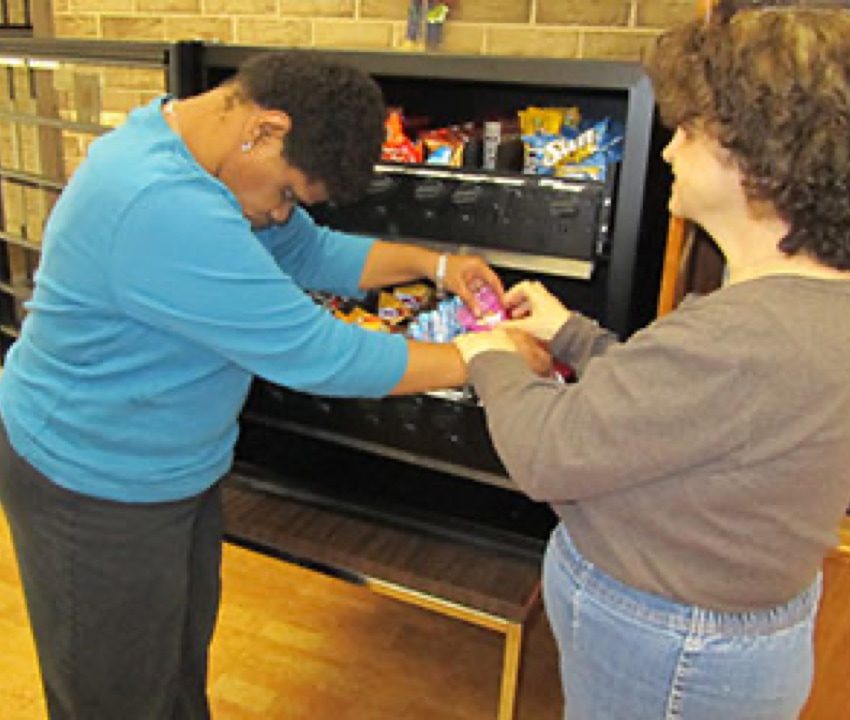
column 87, row 102
column 467, row 10
column 71, row 164
column 20, row 264
column 239, row 7
column 16, row 10
column 61, row 5
column 462, row 38
column 580, row 12
column 23, row 101
column 6, row 145
column 76, row 145
column 5, row 90
column 664, row 13
column 129, row 78
column 355, row 35
column 38, row 204
column 70, row 144
column 29, row 155
column 132, row 28
column 13, row 207
column 63, row 77
column 617, row 46
column 199, row 28
column 282, row 33
column 75, row 26
column 517, row 11
column 169, row 6
column 24, row 104
column 318, row 8
column 389, row 9
column 148, row 96
column 102, row 6
column 539, row 42
column 119, row 100
column 65, row 104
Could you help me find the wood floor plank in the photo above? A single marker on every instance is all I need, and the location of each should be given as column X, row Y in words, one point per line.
column 296, row 645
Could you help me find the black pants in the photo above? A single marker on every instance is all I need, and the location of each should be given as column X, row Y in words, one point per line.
column 122, row 598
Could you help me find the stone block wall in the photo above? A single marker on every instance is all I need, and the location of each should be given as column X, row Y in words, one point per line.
column 603, row 29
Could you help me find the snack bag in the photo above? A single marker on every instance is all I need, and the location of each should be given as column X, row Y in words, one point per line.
column 492, row 311
column 397, row 147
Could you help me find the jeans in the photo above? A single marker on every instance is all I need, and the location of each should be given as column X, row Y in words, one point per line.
column 122, row 598
column 630, row 655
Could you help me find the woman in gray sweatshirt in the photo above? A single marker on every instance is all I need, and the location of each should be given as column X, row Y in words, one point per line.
column 700, row 469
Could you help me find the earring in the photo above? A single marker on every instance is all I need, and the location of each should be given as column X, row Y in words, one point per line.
column 246, row 146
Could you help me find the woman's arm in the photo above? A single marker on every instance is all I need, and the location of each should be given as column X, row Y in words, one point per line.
column 388, row 263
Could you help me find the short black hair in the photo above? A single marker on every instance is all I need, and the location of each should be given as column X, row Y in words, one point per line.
column 337, row 114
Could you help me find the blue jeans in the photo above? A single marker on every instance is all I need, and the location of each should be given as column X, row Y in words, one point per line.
column 631, row 655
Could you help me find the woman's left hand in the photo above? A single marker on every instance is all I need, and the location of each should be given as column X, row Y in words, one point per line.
column 527, row 347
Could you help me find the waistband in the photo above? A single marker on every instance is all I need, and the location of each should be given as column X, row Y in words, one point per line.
column 667, row 613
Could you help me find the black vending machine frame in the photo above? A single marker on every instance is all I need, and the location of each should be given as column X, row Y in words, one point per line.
column 631, row 283
column 391, row 458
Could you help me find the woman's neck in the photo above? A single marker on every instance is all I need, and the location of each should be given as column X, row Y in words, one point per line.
column 750, row 245
column 209, row 125
column 801, row 265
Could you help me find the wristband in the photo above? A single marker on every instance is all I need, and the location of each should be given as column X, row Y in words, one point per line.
column 440, row 275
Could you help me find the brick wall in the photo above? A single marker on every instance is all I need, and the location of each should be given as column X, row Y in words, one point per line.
column 606, row 29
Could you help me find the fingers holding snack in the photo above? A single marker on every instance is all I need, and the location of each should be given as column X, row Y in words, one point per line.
column 465, row 276
column 532, row 308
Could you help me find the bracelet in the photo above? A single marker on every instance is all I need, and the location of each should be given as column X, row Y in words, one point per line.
column 440, row 275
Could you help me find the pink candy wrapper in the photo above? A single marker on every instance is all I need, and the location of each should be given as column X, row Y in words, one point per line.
column 492, row 311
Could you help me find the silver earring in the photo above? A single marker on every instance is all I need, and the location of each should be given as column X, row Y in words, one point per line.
column 246, row 146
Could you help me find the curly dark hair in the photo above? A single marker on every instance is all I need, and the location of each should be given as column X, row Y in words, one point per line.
column 772, row 85
column 337, row 114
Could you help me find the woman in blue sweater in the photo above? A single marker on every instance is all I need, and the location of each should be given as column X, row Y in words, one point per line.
column 173, row 271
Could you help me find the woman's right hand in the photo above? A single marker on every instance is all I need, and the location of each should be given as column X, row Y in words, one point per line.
column 533, row 309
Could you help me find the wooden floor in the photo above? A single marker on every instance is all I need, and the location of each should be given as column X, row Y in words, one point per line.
column 293, row 645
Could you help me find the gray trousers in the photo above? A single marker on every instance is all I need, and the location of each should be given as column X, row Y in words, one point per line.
column 122, row 597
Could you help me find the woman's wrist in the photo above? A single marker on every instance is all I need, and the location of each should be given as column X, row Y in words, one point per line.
column 471, row 344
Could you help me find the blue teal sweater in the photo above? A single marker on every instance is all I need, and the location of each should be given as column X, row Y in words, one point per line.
column 154, row 306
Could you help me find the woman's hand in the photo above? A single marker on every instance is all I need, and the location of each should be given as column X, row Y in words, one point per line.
column 528, row 348
column 533, row 309
column 534, row 352
column 467, row 273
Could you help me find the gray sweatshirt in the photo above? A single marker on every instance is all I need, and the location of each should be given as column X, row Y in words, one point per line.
column 706, row 459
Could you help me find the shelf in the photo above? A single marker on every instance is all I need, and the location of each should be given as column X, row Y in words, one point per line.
column 31, row 179
column 19, row 241
column 83, row 127
column 20, row 291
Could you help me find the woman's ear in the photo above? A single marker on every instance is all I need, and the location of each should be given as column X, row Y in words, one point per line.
column 275, row 123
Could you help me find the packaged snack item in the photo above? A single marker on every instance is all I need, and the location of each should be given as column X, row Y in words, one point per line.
column 437, row 325
column 414, row 296
column 492, row 139
column 452, row 317
column 534, row 155
column 392, row 310
column 397, row 146
column 492, row 311
column 548, row 121
column 445, row 145
column 363, row 318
